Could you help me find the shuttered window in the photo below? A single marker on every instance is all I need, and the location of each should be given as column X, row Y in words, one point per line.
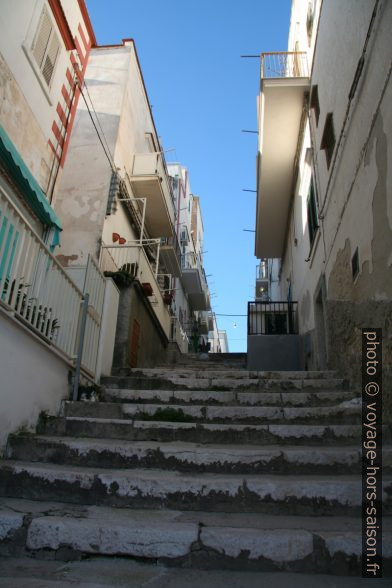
column 312, row 213
column 46, row 46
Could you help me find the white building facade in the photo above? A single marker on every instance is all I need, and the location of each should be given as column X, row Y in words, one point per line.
column 324, row 203
column 44, row 47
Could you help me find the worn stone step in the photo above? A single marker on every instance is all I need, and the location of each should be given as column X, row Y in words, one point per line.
column 174, row 382
column 191, row 457
column 135, row 430
column 149, row 488
column 163, row 372
column 341, row 413
column 313, row 398
column 100, row 571
column 197, row 540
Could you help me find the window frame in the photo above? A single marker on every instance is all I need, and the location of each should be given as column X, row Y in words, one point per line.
column 27, row 47
column 328, row 140
column 312, row 212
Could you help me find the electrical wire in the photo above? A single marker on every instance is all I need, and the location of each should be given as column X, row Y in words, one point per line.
column 219, row 314
column 96, row 129
column 99, row 124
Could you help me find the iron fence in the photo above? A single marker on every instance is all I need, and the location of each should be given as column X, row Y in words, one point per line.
column 284, row 64
column 272, row 318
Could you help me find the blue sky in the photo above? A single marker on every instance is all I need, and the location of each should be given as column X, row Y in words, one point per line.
column 203, row 94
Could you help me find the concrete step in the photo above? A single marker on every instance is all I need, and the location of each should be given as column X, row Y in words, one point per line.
column 221, row 384
column 97, row 571
column 190, row 372
column 134, row 430
column 341, row 413
column 207, row 397
column 199, row 540
column 149, row 488
column 191, row 457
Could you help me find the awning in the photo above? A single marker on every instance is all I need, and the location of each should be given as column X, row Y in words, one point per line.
column 28, row 185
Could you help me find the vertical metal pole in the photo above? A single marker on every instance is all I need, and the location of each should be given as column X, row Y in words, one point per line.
column 144, row 200
column 80, row 349
column 158, row 251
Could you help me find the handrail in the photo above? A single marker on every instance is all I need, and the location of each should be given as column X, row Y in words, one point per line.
column 284, row 64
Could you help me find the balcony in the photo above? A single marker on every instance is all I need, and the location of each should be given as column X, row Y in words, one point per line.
column 272, row 318
column 203, row 323
column 149, row 180
column 194, row 282
column 170, row 254
column 273, row 340
column 132, row 259
column 282, row 104
column 178, row 335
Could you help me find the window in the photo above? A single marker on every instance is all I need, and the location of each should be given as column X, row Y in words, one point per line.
column 309, row 21
column 312, row 212
column 46, row 46
column 328, row 141
column 355, row 264
column 314, row 103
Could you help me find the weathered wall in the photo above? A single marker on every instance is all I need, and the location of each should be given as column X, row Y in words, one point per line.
column 19, row 122
column 354, row 194
column 273, row 352
column 116, row 90
column 108, row 328
column 152, row 341
column 29, row 107
column 33, row 378
column 345, row 322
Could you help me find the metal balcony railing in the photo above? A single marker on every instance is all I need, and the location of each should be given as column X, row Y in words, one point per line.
column 284, row 64
column 173, row 242
column 272, row 318
column 133, row 260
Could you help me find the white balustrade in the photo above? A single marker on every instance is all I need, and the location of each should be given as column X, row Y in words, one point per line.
column 37, row 290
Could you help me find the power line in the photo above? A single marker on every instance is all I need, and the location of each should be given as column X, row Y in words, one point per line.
column 96, row 116
column 219, row 314
column 99, row 136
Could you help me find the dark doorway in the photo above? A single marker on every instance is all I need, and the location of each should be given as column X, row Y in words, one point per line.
column 319, row 320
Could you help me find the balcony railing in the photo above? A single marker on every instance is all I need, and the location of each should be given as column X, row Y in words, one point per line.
column 284, row 64
column 149, row 180
column 37, row 291
column 272, row 318
column 171, row 254
column 178, row 335
column 132, row 260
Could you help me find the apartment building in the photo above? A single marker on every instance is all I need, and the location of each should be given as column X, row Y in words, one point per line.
column 192, row 305
column 323, row 224
column 119, row 204
column 44, row 48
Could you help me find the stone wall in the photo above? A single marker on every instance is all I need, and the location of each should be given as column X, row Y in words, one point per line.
column 345, row 321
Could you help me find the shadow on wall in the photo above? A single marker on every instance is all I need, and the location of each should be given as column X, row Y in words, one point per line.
column 367, row 301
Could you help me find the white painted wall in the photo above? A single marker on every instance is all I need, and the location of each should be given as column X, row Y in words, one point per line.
column 33, row 378
column 345, row 191
column 108, row 328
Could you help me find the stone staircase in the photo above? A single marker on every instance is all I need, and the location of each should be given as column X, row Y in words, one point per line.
column 203, row 465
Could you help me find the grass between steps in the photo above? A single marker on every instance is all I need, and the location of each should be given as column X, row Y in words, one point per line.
column 172, row 415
